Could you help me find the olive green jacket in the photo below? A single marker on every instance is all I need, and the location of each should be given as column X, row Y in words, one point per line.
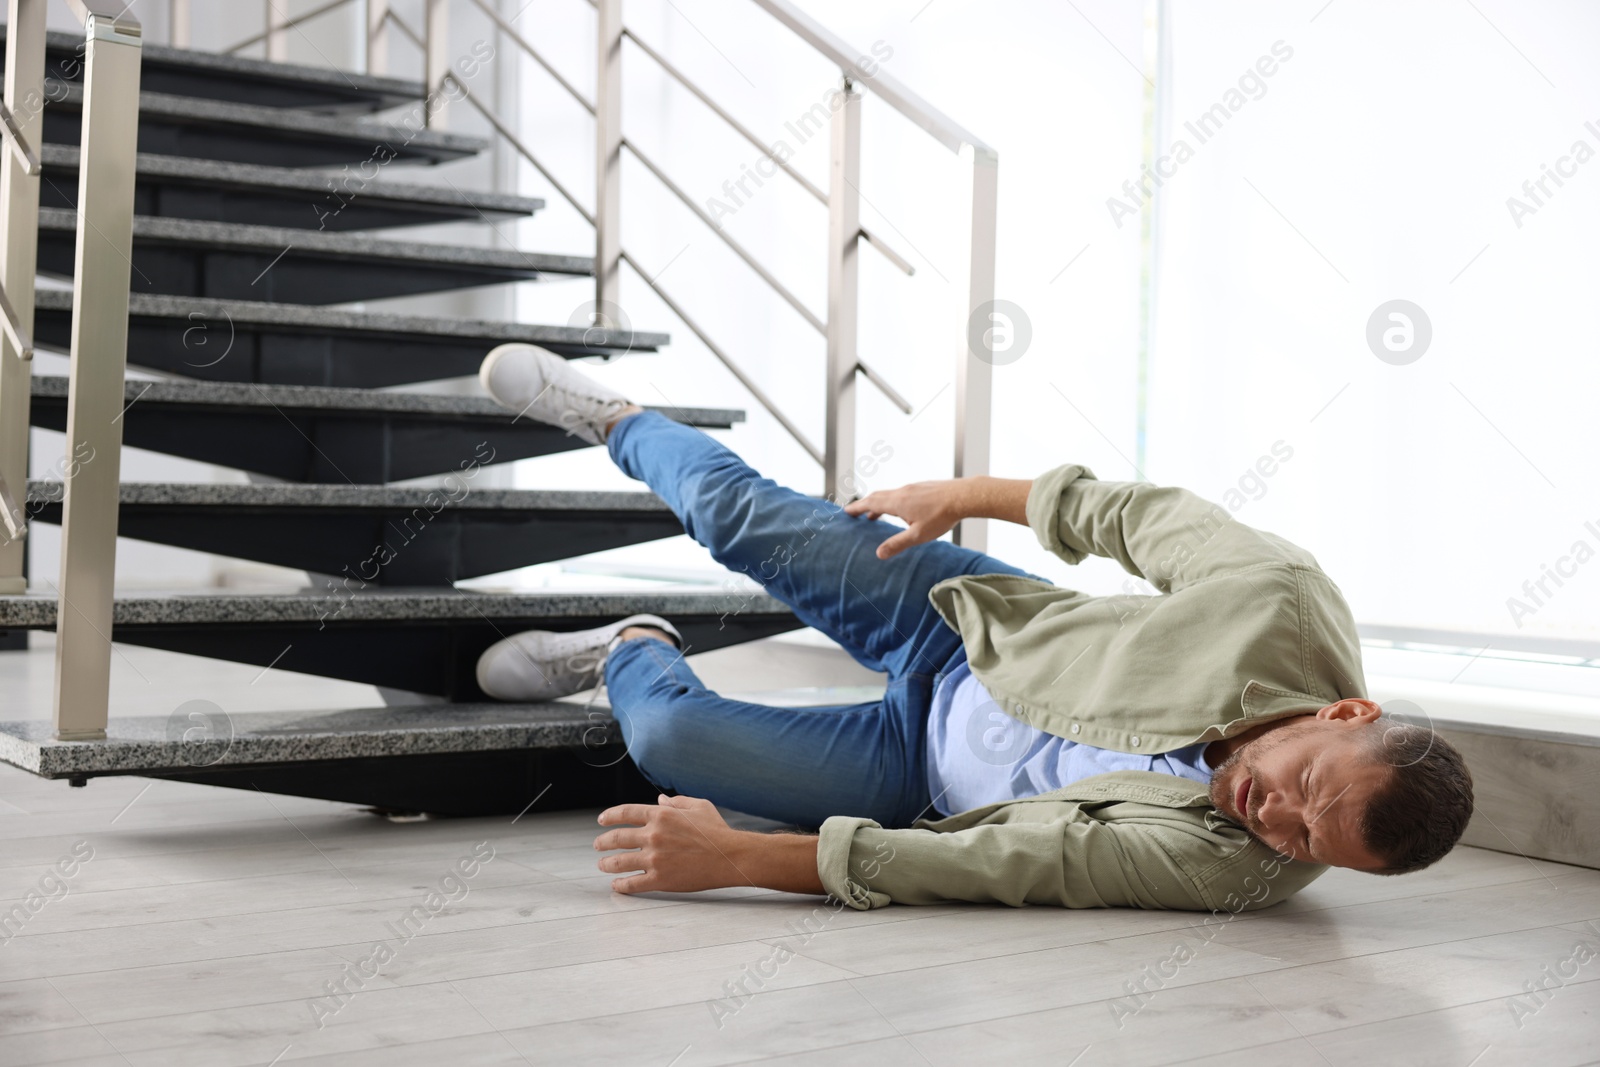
column 1243, row 628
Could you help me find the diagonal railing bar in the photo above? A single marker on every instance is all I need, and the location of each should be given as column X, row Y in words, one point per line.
column 405, row 27
column 739, row 127
column 750, row 260
column 286, row 24
column 727, row 360
column 884, row 387
column 888, row 253
column 18, row 143
column 522, row 149
column 19, row 335
column 520, row 42
column 805, row 183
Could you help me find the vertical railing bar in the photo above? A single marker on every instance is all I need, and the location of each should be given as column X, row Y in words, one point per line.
column 180, row 23
column 19, row 214
column 844, row 237
column 377, row 43
column 277, row 35
column 608, row 165
column 974, row 367
column 436, row 33
column 95, row 393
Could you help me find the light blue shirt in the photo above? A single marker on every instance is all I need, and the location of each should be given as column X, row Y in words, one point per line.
column 977, row 754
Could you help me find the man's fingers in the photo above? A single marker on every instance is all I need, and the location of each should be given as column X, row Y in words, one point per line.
column 631, row 837
column 898, row 543
column 617, row 862
column 639, row 814
column 862, row 506
column 638, row 883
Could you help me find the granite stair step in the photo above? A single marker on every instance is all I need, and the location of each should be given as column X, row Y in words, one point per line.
column 174, row 187
column 424, row 641
column 214, row 76
column 310, row 434
column 264, row 136
column 455, row 759
column 180, row 257
column 247, row 341
column 381, row 535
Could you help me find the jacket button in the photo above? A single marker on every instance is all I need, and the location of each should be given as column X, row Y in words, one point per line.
column 1135, row 742
column 1074, row 727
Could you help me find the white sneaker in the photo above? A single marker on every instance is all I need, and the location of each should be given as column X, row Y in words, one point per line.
column 540, row 384
column 540, row 665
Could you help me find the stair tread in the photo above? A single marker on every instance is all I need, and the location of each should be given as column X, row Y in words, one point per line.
column 324, row 319
column 303, row 124
column 135, row 743
column 373, row 90
column 224, row 494
column 329, row 398
column 225, row 236
column 212, row 173
column 38, row 609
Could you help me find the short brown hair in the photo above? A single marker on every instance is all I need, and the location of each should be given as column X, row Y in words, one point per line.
column 1420, row 813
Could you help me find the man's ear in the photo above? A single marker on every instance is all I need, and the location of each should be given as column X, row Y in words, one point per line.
column 1352, row 710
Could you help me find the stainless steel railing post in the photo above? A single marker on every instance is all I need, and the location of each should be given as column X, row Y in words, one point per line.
column 844, row 235
column 19, row 207
column 436, row 32
column 608, row 164
column 99, row 359
column 974, row 369
column 377, row 40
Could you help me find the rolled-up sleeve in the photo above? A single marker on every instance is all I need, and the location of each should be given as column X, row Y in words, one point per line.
column 1168, row 536
column 1071, row 863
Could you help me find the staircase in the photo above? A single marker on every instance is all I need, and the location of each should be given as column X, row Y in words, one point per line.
column 231, row 228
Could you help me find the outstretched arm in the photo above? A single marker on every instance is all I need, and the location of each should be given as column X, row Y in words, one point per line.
column 683, row 845
column 1166, row 535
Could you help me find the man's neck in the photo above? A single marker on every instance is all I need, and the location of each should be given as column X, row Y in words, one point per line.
column 1217, row 751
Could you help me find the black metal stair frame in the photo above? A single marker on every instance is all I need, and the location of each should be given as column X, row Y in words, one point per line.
column 181, row 257
column 342, row 436
column 265, row 136
column 208, row 76
column 291, row 344
column 381, row 535
column 348, row 199
column 420, row 640
column 238, row 251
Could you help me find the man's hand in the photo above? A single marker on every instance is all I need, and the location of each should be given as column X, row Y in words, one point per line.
column 930, row 510
column 683, row 846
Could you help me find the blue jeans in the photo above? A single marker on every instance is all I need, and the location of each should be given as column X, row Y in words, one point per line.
column 795, row 765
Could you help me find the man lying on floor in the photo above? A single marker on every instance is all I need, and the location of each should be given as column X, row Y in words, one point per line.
column 1207, row 748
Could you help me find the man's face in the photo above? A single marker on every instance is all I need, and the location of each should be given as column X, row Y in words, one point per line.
column 1301, row 789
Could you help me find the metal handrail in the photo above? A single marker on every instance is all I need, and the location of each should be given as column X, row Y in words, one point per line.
column 936, row 123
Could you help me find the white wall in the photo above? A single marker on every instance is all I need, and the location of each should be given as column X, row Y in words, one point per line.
column 1375, row 164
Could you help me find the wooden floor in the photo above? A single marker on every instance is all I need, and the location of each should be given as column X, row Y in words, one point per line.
column 206, row 926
